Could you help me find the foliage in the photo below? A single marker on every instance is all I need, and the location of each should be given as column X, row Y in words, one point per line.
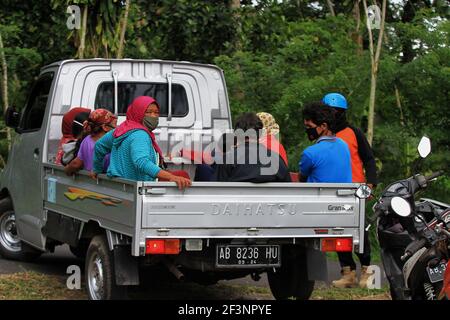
column 312, row 57
column 276, row 55
column 181, row 30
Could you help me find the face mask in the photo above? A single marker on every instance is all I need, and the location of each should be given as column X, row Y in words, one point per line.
column 312, row 133
column 151, row 122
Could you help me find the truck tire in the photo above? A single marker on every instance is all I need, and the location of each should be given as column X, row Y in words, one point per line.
column 291, row 279
column 11, row 247
column 99, row 272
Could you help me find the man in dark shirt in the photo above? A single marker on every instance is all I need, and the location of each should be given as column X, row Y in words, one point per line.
column 247, row 160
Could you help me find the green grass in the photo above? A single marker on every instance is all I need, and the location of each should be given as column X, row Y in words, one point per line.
column 35, row 286
column 351, row 294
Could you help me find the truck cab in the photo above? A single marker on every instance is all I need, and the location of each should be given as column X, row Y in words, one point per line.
column 209, row 232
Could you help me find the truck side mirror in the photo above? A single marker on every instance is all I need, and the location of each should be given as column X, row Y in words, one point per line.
column 12, row 118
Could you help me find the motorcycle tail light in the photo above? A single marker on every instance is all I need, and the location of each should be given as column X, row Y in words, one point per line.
column 337, row 245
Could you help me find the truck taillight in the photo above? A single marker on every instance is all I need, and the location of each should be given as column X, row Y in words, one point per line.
column 337, row 245
column 162, row 246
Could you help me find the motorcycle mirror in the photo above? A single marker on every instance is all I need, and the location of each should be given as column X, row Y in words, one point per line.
column 401, row 206
column 363, row 192
column 424, row 147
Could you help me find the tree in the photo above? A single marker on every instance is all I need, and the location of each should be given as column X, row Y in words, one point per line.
column 123, row 29
column 4, row 87
column 375, row 61
column 101, row 29
column 331, row 8
column 82, row 45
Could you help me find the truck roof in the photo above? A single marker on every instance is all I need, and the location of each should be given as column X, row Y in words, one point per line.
column 66, row 61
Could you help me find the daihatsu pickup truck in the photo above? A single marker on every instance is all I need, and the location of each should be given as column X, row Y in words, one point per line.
column 122, row 228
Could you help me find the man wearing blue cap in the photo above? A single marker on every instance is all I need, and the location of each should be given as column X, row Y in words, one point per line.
column 363, row 165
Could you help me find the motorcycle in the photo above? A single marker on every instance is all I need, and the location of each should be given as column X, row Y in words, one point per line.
column 427, row 256
column 445, row 293
column 409, row 241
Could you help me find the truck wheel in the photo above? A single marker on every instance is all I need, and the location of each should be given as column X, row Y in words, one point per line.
column 291, row 279
column 10, row 245
column 99, row 272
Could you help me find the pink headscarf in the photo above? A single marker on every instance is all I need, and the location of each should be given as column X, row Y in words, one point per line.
column 135, row 116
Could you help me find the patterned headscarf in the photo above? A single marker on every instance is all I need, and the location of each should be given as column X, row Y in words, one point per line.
column 98, row 118
column 269, row 123
column 101, row 116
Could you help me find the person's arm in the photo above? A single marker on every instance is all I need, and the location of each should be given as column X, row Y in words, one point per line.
column 366, row 154
column 103, row 146
column 141, row 159
column 74, row 166
column 305, row 166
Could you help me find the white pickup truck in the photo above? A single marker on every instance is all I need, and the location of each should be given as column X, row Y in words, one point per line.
column 205, row 233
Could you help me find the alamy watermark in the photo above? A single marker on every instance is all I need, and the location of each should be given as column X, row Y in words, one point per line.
column 215, row 146
column 74, row 280
column 74, row 19
column 374, row 281
column 374, row 17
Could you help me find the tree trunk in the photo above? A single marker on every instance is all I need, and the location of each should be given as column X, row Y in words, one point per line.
column 82, row 46
column 123, row 30
column 331, row 8
column 5, row 86
column 399, row 105
column 357, row 35
column 375, row 60
column 407, row 44
column 2, row 162
column 371, row 117
column 235, row 5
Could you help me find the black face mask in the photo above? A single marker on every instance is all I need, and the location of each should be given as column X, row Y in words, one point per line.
column 312, row 133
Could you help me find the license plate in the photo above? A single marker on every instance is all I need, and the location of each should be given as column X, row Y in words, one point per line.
column 436, row 274
column 248, row 256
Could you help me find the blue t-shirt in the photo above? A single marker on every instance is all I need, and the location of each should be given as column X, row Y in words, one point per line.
column 328, row 160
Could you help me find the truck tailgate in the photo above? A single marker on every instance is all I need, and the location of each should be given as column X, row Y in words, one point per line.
column 244, row 205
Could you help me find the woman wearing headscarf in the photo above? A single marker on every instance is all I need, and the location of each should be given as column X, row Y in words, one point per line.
column 100, row 122
column 66, row 128
column 271, row 135
column 135, row 155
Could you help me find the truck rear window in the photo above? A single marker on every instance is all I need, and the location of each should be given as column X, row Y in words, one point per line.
column 128, row 91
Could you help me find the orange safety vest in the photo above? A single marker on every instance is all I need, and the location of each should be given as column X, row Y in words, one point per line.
column 348, row 135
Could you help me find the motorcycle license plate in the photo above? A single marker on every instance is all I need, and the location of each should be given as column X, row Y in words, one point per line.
column 436, row 274
column 248, row 256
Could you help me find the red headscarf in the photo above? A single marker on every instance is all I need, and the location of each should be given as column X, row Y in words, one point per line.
column 67, row 121
column 66, row 128
column 135, row 116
